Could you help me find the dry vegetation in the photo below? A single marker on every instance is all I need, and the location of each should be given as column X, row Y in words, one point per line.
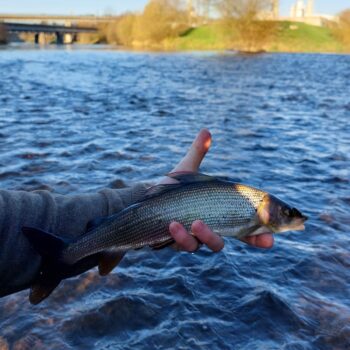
column 164, row 20
column 159, row 21
column 342, row 29
column 246, row 23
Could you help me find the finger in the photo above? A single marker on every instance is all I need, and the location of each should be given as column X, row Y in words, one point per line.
column 184, row 240
column 196, row 153
column 264, row 240
column 207, row 236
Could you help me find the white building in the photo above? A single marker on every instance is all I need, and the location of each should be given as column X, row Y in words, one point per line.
column 301, row 12
column 298, row 9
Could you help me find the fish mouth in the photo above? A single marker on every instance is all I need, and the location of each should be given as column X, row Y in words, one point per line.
column 295, row 225
column 300, row 227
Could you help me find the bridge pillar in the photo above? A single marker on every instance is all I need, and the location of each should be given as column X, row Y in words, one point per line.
column 68, row 38
column 59, row 38
column 40, row 38
column 3, row 34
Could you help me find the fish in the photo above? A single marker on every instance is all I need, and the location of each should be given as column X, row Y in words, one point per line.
column 230, row 209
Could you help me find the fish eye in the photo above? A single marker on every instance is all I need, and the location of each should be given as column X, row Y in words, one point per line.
column 286, row 211
column 296, row 213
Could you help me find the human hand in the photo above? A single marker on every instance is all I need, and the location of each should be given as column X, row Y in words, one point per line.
column 201, row 233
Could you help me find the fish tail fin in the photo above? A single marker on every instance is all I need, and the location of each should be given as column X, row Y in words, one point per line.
column 50, row 248
column 46, row 244
column 41, row 289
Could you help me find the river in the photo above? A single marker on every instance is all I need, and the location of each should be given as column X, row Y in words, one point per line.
column 78, row 120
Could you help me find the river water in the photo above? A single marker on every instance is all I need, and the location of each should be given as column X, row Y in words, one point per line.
column 75, row 121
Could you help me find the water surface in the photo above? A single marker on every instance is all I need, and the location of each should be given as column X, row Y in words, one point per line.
column 77, row 121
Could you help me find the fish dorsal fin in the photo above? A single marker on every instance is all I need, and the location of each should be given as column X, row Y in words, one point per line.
column 190, row 177
column 182, row 178
column 157, row 190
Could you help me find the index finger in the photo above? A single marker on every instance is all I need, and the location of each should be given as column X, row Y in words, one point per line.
column 196, row 153
column 205, row 235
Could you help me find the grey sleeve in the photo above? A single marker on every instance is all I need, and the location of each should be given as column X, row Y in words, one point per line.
column 61, row 215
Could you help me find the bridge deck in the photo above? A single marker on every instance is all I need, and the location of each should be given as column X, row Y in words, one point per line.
column 45, row 28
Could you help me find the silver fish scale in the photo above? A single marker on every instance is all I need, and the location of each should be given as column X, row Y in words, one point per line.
column 221, row 205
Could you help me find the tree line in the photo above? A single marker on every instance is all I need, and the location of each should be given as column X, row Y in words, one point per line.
column 246, row 23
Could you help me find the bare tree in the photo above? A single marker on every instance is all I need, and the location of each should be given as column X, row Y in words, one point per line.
column 247, row 23
column 203, row 9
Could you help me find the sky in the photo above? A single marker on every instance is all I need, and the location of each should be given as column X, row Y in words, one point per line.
column 100, row 7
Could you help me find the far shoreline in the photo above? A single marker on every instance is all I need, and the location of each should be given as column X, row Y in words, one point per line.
column 112, row 47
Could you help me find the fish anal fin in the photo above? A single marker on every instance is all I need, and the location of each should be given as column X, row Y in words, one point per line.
column 108, row 260
column 162, row 245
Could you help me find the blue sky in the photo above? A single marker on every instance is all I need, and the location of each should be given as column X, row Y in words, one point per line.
column 99, row 7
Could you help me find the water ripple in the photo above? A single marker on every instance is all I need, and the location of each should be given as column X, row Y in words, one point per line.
column 77, row 121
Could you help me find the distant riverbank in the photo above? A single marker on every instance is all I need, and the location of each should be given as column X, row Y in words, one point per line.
column 289, row 37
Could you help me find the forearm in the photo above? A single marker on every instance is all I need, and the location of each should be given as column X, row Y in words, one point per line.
column 62, row 215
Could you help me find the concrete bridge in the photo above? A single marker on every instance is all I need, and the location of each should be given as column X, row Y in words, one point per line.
column 64, row 34
column 65, row 28
column 54, row 19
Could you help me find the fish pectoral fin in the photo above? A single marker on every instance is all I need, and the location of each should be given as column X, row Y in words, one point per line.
column 41, row 290
column 108, row 260
column 260, row 230
column 162, row 245
column 247, row 231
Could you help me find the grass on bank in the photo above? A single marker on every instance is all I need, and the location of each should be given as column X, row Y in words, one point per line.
column 289, row 37
column 301, row 37
column 208, row 37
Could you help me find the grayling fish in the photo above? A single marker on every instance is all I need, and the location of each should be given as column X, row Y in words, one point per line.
column 228, row 208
